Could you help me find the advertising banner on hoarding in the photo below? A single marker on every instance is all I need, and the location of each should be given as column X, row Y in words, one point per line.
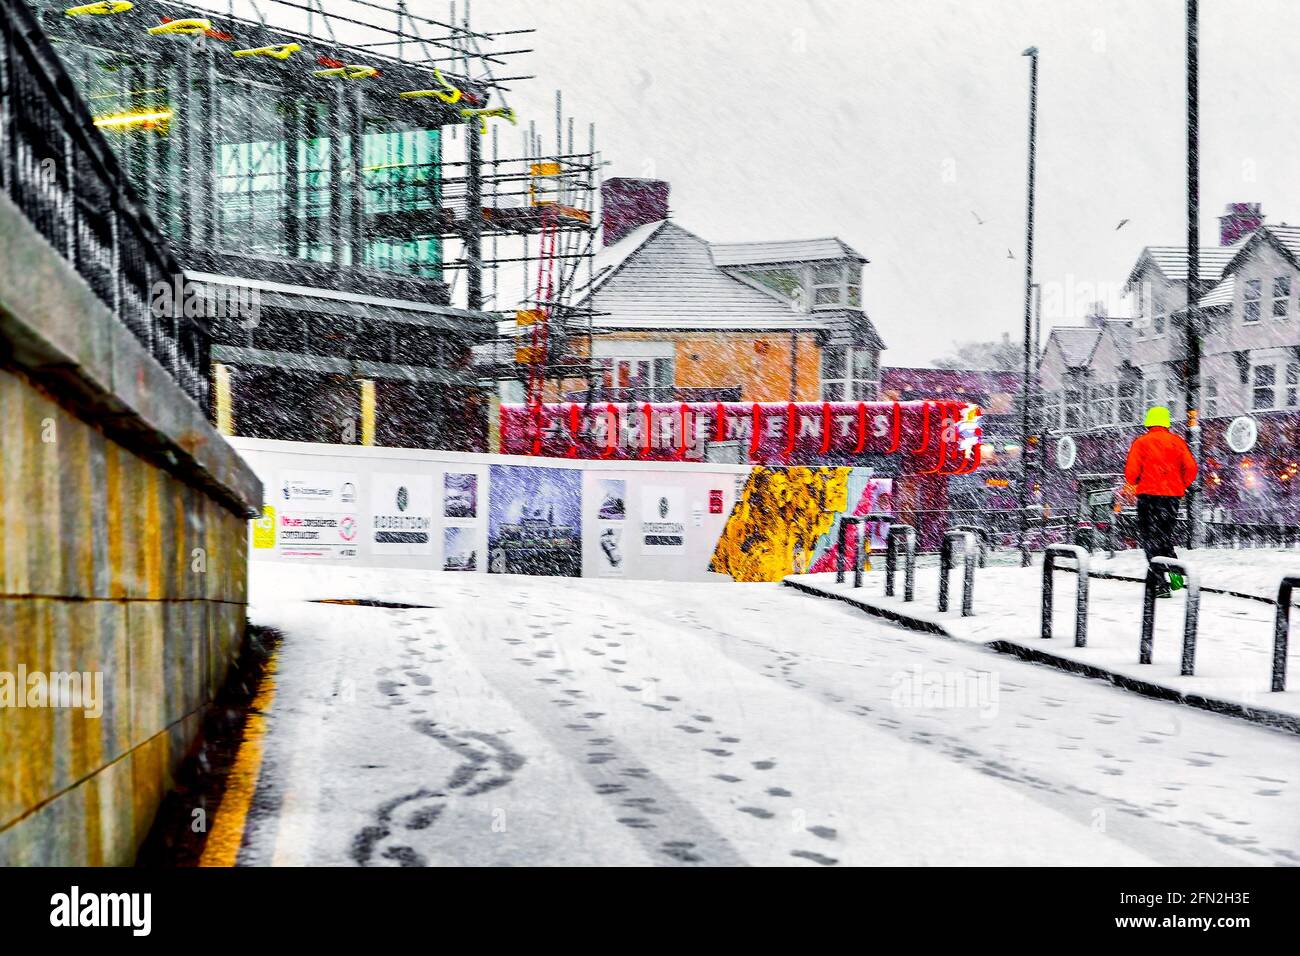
column 535, row 521
column 401, row 508
column 318, row 515
column 459, row 549
column 663, row 519
column 459, row 495
column 472, row 513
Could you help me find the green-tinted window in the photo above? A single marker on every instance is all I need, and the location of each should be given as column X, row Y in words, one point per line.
column 787, row 282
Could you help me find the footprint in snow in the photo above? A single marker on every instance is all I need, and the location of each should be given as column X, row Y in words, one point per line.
column 815, row 857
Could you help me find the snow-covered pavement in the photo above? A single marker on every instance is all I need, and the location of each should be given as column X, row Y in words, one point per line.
column 517, row 720
column 1234, row 648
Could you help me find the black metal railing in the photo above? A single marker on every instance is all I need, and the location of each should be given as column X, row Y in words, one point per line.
column 997, row 530
column 58, row 169
column 1246, row 534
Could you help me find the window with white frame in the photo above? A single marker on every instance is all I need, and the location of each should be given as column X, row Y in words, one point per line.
column 1102, row 404
column 1074, row 417
column 1263, row 391
column 1159, row 307
column 1152, row 393
column 1274, row 383
column 837, row 286
column 635, row 378
column 1281, row 296
column 848, row 374
column 1051, row 411
column 1126, row 405
column 1250, row 302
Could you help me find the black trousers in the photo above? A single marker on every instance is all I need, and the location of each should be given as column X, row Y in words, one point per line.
column 1157, row 523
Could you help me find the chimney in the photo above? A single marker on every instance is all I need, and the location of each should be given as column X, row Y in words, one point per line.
column 1239, row 220
column 1098, row 315
column 628, row 203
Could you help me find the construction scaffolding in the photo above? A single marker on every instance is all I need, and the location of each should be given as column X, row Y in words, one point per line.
column 351, row 133
column 553, row 197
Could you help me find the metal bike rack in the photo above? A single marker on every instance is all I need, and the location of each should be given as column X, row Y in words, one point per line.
column 1051, row 554
column 845, row 521
column 968, row 563
column 907, row 534
column 981, row 537
column 1282, row 631
column 1190, row 621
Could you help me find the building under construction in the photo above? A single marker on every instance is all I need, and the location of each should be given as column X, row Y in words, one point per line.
column 335, row 181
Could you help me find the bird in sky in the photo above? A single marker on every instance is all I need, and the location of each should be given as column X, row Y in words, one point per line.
column 1122, row 224
column 1010, row 254
column 977, row 217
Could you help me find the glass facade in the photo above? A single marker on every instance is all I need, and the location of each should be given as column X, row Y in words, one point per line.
column 251, row 168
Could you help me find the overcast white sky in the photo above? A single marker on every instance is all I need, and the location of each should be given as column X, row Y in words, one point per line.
column 890, row 123
column 799, row 118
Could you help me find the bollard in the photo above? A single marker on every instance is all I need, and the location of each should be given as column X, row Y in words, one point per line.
column 908, row 535
column 839, row 556
column 1050, row 554
column 847, row 521
column 968, row 564
column 858, row 555
column 1282, row 631
column 1190, row 620
column 981, row 537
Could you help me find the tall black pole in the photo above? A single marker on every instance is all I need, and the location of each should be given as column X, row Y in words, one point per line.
column 1192, row 366
column 1025, row 472
column 473, row 235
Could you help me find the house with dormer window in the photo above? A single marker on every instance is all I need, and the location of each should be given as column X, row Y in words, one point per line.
column 680, row 318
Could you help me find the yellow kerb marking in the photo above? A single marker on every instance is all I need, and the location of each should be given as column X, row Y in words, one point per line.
column 222, row 847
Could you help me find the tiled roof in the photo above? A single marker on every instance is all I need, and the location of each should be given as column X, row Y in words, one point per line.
column 515, row 281
column 669, row 281
column 1172, row 261
column 1076, row 344
column 770, row 253
column 607, row 261
column 1288, row 236
column 1123, row 333
column 1221, row 294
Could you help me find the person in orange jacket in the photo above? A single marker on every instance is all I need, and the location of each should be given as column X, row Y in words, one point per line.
column 1160, row 468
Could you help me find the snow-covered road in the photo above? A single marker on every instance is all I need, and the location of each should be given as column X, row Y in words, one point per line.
column 520, row 720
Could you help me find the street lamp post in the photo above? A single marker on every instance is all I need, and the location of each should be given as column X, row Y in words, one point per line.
column 1192, row 365
column 1025, row 473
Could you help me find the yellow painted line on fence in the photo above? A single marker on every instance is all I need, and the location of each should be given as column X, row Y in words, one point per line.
column 222, row 846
